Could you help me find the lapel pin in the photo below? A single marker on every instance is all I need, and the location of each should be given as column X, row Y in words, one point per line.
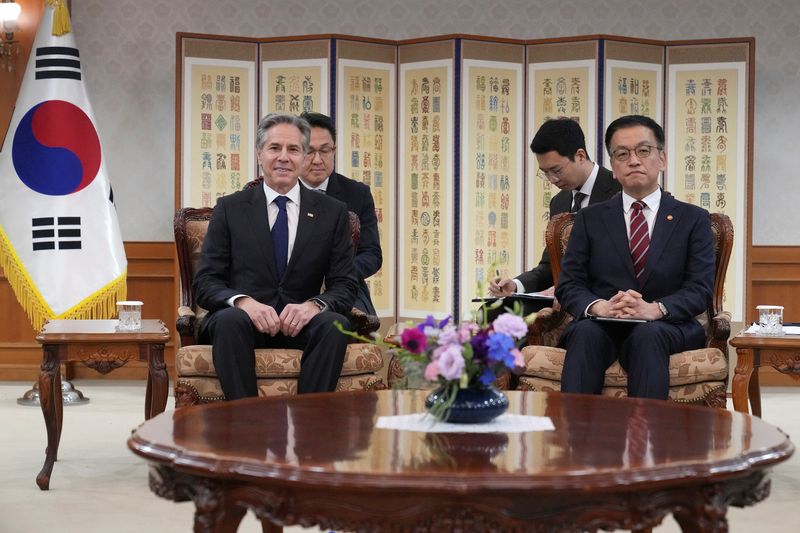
column 669, row 217
column 310, row 215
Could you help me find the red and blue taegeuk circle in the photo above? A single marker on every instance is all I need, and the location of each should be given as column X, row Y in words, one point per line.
column 56, row 149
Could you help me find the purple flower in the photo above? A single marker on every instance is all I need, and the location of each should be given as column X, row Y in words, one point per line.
column 479, row 346
column 511, row 325
column 451, row 362
column 413, row 340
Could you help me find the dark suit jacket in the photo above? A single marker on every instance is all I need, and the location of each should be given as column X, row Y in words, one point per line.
column 237, row 255
column 369, row 258
column 541, row 276
column 680, row 262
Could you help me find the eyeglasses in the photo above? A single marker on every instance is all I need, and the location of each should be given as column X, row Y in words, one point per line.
column 621, row 155
column 324, row 152
column 548, row 175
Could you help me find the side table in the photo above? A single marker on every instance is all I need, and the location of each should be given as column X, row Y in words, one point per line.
column 752, row 351
column 98, row 345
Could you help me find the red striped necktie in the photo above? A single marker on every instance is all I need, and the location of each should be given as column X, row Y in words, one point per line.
column 640, row 238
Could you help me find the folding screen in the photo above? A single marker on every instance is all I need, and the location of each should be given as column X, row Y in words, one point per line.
column 709, row 140
column 491, row 178
column 562, row 81
column 438, row 128
column 217, row 112
column 366, row 102
column 294, row 76
column 425, row 229
column 633, row 83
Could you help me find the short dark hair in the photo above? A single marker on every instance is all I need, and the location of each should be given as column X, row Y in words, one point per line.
column 563, row 135
column 318, row 120
column 631, row 121
column 273, row 119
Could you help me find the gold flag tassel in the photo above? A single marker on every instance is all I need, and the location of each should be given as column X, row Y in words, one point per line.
column 61, row 25
column 100, row 304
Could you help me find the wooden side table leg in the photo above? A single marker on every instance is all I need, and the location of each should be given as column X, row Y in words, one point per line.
column 741, row 378
column 754, row 391
column 157, row 381
column 52, row 409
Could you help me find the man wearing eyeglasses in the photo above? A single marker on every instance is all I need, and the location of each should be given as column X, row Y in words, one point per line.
column 642, row 255
column 320, row 176
column 560, row 150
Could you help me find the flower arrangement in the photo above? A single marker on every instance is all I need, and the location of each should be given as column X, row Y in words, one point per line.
column 470, row 355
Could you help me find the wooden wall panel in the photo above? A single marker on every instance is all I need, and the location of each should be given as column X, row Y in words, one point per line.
column 775, row 280
column 151, row 279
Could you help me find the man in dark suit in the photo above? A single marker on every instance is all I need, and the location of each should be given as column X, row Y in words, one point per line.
column 560, row 150
column 267, row 253
column 640, row 255
column 320, row 176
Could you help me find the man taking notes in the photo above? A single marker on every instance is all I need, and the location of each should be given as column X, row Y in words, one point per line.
column 560, row 150
column 640, row 255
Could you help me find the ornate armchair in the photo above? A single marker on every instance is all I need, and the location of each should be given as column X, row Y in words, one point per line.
column 696, row 376
column 277, row 370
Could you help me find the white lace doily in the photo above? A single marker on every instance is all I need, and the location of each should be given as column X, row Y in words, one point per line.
column 505, row 423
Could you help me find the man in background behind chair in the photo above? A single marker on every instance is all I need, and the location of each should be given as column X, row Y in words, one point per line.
column 320, row 176
column 560, row 150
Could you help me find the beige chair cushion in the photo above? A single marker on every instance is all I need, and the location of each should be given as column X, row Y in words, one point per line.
column 205, row 389
column 685, row 368
column 196, row 361
column 694, row 393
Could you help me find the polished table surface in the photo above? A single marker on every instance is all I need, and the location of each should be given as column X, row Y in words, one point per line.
column 319, row 459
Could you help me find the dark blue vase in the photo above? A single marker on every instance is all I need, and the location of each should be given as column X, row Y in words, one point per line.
column 475, row 405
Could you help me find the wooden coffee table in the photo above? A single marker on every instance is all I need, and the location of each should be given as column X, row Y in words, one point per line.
column 318, row 459
column 753, row 351
column 98, row 345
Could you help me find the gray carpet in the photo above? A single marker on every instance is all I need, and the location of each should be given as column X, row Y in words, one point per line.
column 99, row 486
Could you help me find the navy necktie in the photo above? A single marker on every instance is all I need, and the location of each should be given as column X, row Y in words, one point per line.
column 280, row 236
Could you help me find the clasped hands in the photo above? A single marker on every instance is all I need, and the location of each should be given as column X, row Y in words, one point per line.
column 626, row 304
column 292, row 319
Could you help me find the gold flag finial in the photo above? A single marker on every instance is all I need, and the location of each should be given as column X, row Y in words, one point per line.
column 61, row 25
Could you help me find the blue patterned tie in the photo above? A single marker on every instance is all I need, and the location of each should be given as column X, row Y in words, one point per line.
column 280, row 236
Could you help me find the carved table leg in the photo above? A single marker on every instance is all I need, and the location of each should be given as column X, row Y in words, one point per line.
column 212, row 513
column 52, row 409
column 157, row 381
column 741, row 378
column 754, row 392
column 707, row 523
column 268, row 527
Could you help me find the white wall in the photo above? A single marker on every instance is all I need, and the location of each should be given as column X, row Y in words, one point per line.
column 128, row 55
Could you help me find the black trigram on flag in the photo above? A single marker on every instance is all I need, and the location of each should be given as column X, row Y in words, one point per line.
column 47, row 232
column 58, row 62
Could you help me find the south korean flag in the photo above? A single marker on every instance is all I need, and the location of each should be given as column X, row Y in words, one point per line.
column 60, row 243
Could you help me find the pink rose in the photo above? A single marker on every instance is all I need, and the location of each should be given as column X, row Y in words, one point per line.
column 432, row 371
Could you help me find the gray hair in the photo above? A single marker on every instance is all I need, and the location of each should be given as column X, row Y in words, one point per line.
column 273, row 119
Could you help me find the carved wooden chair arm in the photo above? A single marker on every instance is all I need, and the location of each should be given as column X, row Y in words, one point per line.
column 185, row 325
column 720, row 331
column 363, row 323
column 546, row 328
